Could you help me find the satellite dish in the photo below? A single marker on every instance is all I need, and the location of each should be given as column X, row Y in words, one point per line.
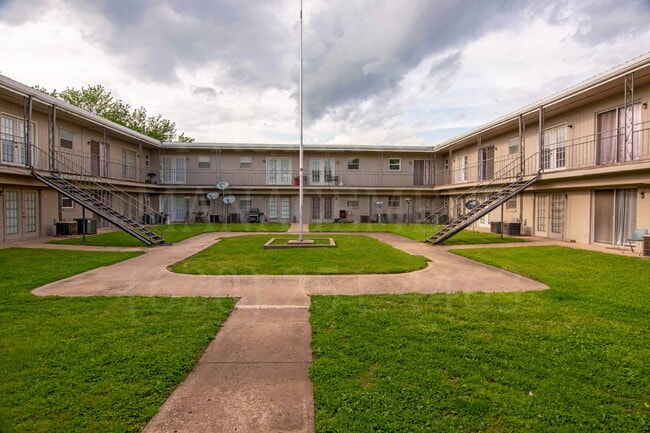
column 472, row 204
column 212, row 195
column 229, row 199
column 223, row 185
column 379, row 204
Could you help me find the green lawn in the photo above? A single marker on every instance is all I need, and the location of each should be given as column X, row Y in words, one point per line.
column 417, row 232
column 172, row 233
column 244, row 255
column 573, row 358
column 94, row 364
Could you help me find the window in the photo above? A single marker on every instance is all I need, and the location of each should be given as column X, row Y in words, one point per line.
column 278, row 171
column 353, row 163
column 245, row 202
column 394, row 201
column 461, row 168
column 203, row 162
column 446, row 164
column 513, row 145
column 246, row 162
column 203, row 201
column 65, row 137
column 147, row 160
column 553, row 150
column 353, row 204
column 66, row 202
column 394, row 164
column 128, row 164
column 512, row 203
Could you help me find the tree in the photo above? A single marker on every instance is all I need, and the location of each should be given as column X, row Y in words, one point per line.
column 100, row 101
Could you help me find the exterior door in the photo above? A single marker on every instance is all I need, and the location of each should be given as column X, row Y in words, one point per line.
column 422, row 172
column 486, row 163
column 99, row 159
column 557, row 217
column 321, row 209
column 279, row 208
column 541, row 215
column 21, row 214
column 549, row 216
column 617, row 136
column 614, row 215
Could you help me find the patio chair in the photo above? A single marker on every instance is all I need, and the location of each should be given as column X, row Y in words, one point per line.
column 636, row 237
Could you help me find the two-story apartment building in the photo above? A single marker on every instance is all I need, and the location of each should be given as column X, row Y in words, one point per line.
column 585, row 153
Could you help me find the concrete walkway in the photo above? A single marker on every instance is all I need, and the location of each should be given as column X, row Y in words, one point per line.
column 254, row 377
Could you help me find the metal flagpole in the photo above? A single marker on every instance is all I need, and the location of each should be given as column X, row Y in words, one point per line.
column 301, row 178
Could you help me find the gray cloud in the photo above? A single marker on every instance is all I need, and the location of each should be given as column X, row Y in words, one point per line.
column 357, row 52
column 207, row 92
column 16, row 12
column 247, row 39
column 443, row 70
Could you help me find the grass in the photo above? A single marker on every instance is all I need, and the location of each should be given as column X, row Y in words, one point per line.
column 91, row 364
column 573, row 358
column 244, row 255
column 417, row 232
column 172, row 233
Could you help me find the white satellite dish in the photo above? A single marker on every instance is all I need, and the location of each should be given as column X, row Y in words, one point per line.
column 212, row 195
column 223, row 185
column 229, row 199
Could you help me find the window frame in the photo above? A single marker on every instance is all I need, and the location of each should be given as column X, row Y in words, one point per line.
column 65, row 199
column 245, row 162
column 394, row 164
column 513, row 145
column 354, row 164
column 394, row 201
column 62, row 139
column 203, row 162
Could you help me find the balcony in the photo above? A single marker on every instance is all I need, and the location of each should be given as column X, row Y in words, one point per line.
column 251, row 178
column 614, row 150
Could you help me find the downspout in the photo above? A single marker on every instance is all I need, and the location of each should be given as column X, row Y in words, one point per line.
column 52, row 138
column 540, row 139
column 27, row 127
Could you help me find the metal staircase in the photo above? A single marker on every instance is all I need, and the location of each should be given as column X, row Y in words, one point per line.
column 79, row 186
column 496, row 199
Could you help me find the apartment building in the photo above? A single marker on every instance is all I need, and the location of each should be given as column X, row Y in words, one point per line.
column 574, row 166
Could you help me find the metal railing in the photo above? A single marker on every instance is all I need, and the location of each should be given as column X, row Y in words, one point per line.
column 515, row 170
column 69, row 169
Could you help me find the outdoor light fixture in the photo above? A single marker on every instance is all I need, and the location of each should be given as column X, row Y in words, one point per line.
column 641, row 194
column 645, row 105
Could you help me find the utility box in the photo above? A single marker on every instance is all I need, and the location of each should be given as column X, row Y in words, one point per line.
column 90, row 226
column 66, row 228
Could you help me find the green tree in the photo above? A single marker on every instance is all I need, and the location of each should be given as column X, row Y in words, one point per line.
column 100, row 101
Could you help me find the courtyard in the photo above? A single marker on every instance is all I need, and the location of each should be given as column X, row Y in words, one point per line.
column 457, row 345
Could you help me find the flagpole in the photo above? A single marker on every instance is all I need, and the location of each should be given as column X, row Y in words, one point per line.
column 301, row 178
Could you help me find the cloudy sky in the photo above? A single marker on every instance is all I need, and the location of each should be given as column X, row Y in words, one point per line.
column 403, row 72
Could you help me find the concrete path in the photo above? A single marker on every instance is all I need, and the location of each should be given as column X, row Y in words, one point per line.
column 254, row 377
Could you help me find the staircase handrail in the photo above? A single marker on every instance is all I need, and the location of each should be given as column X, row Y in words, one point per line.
column 499, row 178
column 79, row 173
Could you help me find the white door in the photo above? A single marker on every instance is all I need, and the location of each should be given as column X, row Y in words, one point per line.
column 21, row 214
